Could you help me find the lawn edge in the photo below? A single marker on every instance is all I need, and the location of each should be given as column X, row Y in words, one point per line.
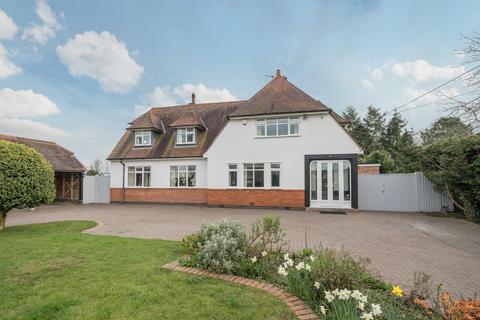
column 301, row 310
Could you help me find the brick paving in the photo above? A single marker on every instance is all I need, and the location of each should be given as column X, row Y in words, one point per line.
column 398, row 244
column 298, row 307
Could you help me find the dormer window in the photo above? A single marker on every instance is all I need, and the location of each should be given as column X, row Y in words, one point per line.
column 143, row 138
column 186, row 135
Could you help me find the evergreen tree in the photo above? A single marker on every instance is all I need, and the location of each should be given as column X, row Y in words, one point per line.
column 355, row 127
column 445, row 127
column 374, row 123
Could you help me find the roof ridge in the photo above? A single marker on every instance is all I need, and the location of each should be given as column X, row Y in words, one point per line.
column 199, row 104
column 30, row 139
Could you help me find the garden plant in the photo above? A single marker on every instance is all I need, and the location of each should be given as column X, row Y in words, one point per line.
column 334, row 284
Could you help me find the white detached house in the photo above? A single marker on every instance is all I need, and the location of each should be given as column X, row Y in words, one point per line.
column 280, row 148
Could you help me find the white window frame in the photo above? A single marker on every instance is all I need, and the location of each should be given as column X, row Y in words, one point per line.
column 186, row 169
column 267, row 123
column 186, row 132
column 145, row 138
column 237, row 172
column 253, row 170
column 276, row 167
column 143, row 171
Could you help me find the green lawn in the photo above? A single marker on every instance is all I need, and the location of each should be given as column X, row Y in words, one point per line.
column 52, row 271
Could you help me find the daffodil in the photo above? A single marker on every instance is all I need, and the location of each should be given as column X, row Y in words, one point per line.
column 397, row 291
column 264, row 253
column 317, row 285
column 300, row 266
column 323, row 310
column 312, row 258
column 367, row 316
column 254, row 259
column 329, row 296
column 308, row 268
column 376, row 310
column 361, row 306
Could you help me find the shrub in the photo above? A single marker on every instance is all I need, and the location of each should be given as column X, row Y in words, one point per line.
column 454, row 164
column 222, row 246
column 338, row 269
column 26, row 179
column 267, row 236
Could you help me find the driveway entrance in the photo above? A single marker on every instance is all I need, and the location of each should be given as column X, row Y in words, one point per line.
column 398, row 244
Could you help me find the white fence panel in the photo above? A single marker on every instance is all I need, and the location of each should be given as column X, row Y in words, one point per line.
column 96, row 189
column 410, row 192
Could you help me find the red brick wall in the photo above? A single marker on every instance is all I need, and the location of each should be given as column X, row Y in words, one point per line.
column 363, row 169
column 160, row 195
column 256, row 197
column 214, row 197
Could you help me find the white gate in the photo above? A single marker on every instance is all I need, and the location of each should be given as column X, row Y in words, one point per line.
column 96, row 189
column 410, row 192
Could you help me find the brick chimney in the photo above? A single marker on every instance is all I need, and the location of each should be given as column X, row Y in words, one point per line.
column 278, row 75
column 193, row 98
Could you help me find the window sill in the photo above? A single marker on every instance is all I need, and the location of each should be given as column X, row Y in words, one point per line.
column 142, row 145
column 185, row 145
column 288, row 136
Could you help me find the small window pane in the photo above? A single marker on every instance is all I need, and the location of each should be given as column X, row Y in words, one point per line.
column 173, row 179
column 131, row 179
column 248, row 166
column 276, row 178
column 191, row 168
column 258, row 178
column 324, row 181
column 294, row 128
column 191, row 178
column 249, row 179
column 283, row 129
column 346, row 180
column 271, row 129
column 335, row 182
column 146, row 179
column 313, row 181
column 260, row 130
column 232, row 166
column 275, row 165
column 232, row 178
column 138, row 179
column 259, row 165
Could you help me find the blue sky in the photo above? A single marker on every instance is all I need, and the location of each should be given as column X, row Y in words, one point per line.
column 77, row 71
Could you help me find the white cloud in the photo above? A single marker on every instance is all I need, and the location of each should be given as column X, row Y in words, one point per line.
column 42, row 33
column 8, row 28
column 377, row 74
column 7, row 68
column 368, row 84
column 421, row 70
column 29, row 128
column 102, row 57
column 25, row 103
column 167, row 96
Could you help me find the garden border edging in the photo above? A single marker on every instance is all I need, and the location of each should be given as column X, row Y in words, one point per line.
column 297, row 306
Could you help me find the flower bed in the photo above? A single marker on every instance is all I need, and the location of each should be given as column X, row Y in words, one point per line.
column 335, row 285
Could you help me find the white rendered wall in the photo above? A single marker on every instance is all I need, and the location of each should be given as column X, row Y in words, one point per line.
column 160, row 171
column 318, row 134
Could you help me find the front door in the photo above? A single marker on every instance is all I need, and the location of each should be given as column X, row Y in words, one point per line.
column 330, row 184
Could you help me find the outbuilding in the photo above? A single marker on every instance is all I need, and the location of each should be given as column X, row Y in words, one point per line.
column 68, row 170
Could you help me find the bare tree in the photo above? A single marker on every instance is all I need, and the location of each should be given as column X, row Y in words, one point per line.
column 468, row 109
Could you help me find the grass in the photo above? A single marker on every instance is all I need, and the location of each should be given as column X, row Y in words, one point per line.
column 53, row 271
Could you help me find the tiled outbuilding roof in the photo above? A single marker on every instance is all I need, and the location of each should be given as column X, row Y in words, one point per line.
column 279, row 96
column 61, row 159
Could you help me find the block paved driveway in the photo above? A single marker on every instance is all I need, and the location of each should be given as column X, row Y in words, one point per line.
column 398, row 244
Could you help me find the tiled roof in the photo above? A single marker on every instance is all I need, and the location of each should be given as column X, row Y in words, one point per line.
column 60, row 158
column 279, row 96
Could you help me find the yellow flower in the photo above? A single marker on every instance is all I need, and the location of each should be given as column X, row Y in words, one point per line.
column 396, row 290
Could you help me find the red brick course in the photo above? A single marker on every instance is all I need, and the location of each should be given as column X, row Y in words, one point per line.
column 368, row 169
column 160, row 195
column 298, row 307
column 256, row 197
column 213, row 197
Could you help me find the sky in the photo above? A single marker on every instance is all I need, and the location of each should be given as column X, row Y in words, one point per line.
column 76, row 72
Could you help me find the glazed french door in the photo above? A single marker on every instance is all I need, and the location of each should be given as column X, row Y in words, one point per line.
column 330, row 184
